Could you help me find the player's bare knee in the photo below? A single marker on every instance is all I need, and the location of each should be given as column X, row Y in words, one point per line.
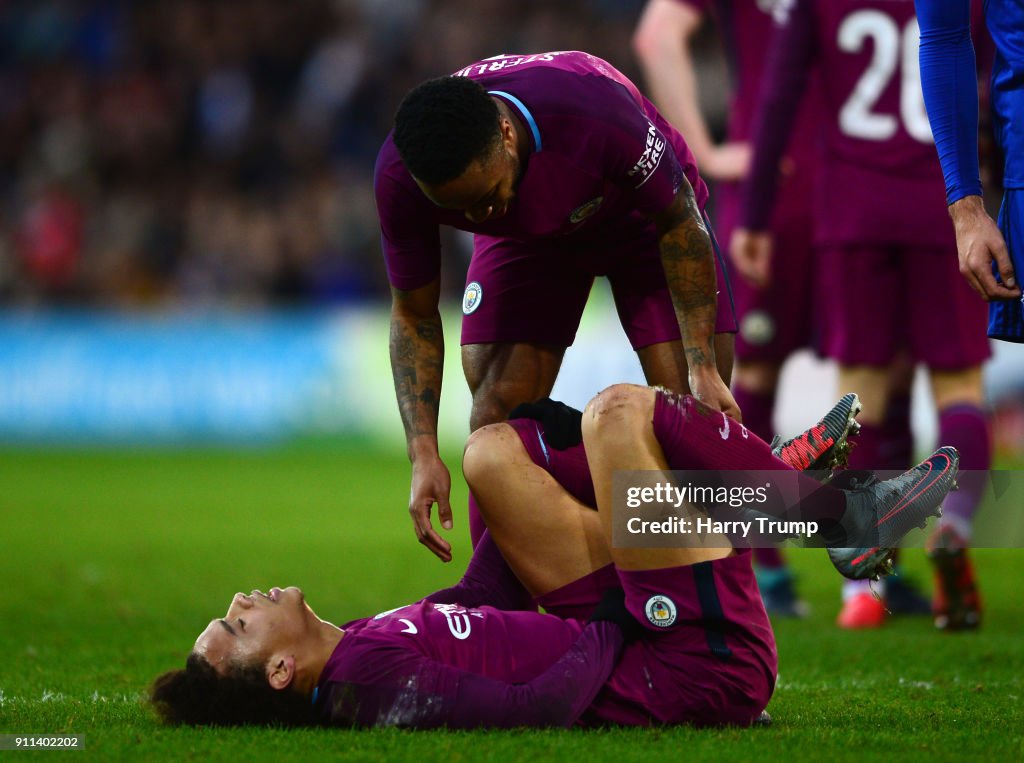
column 487, row 451
column 617, row 408
column 958, row 387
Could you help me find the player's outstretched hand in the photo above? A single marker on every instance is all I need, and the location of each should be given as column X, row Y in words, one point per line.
column 431, row 483
column 751, row 253
column 707, row 386
column 979, row 243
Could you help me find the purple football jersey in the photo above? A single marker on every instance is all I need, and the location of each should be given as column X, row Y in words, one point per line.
column 427, row 665
column 602, row 159
column 746, row 27
column 466, row 637
column 774, row 321
column 881, row 183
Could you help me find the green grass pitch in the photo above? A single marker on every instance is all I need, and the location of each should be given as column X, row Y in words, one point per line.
column 112, row 562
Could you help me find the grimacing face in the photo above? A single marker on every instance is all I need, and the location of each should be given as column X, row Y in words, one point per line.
column 486, row 189
column 257, row 626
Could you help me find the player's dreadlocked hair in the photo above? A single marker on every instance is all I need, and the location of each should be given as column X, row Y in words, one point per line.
column 199, row 696
column 443, row 125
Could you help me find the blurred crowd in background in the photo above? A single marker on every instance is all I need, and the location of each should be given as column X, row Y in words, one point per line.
column 181, row 152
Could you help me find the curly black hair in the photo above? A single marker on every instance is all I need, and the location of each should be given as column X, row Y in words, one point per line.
column 444, row 124
column 200, row 696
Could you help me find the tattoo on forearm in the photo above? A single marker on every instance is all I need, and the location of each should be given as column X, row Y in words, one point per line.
column 428, row 330
column 695, row 356
column 417, row 359
column 688, row 259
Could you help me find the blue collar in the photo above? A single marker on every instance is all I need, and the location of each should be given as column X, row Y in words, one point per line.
column 525, row 112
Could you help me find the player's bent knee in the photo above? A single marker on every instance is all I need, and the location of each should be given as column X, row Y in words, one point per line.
column 489, row 449
column 617, row 407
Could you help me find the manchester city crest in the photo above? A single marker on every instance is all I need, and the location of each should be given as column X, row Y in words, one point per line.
column 660, row 611
column 471, row 299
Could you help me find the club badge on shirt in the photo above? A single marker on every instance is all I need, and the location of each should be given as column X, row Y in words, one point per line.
column 472, row 298
column 660, row 611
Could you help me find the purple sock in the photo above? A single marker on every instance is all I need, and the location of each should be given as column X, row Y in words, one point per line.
column 693, row 436
column 896, row 449
column 757, row 409
column 477, row 528
column 966, row 428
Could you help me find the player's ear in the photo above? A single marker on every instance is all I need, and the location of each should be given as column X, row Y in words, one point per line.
column 280, row 671
column 508, row 133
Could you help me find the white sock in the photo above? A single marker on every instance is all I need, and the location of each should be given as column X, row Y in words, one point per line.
column 853, row 588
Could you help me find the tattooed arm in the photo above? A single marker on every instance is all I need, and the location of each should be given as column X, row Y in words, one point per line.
column 417, row 361
column 688, row 259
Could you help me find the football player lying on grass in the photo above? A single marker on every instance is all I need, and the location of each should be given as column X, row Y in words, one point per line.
column 632, row 636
